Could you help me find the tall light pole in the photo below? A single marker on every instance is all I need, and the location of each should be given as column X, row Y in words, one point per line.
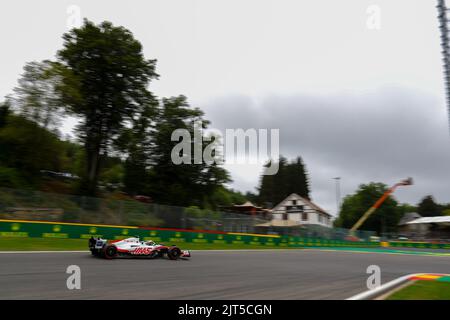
column 443, row 10
column 338, row 194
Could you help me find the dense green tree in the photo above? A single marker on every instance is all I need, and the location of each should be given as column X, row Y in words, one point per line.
column 104, row 82
column 290, row 178
column 186, row 183
column 384, row 219
column 428, row 207
column 73, row 158
column 136, row 142
column 124, row 136
column 297, row 179
column 405, row 208
column 4, row 112
column 226, row 197
column 252, row 197
column 237, row 197
column 36, row 97
column 112, row 176
column 135, row 175
column 11, row 178
column 28, row 148
column 267, row 189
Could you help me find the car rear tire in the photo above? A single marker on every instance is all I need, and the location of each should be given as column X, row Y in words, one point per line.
column 174, row 253
column 110, row 252
column 155, row 254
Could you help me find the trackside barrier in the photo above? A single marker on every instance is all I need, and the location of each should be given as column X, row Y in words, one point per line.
column 60, row 230
column 419, row 245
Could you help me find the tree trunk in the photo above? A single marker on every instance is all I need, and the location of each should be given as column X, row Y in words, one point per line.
column 93, row 168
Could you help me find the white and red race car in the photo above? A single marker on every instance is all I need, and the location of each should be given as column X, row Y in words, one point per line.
column 134, row 247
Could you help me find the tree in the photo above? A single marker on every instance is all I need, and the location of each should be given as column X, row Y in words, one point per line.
column 104, row 82
column 136, row 142
column 290, row 178
column 406, row 208
column 267, row 190
column 4, row 112
column 297, row 179
column 186, row 183
column 112, row 176
column 428, row 207
column 28, row 148
column 385, row 219
column 250, row 196
column 36, row 97
column 73, row 158
column 136, row 176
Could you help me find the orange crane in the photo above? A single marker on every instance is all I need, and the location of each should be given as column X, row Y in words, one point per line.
column 406, row 182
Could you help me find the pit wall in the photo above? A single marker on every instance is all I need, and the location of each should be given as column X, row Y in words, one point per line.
column 59, row 230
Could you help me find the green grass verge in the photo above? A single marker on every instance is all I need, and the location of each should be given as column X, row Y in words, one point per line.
column 43, row 244
column 423, row 290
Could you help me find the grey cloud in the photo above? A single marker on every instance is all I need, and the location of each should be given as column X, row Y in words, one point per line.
column 383, row 135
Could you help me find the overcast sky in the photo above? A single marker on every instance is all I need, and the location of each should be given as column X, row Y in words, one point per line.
column 360, row 103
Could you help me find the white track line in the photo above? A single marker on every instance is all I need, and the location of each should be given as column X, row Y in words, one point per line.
column 215, row 250
column 426, row 254
column 245, row 250
column 400, row 252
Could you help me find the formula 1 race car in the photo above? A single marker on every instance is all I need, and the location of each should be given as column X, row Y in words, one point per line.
column 134, row 247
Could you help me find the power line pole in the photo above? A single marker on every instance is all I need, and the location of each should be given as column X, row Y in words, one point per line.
column 445, row 44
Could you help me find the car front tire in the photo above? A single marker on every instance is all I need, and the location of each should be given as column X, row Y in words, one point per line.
column 174, row 253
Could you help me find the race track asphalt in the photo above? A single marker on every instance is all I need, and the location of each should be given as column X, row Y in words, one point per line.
column 271, row 274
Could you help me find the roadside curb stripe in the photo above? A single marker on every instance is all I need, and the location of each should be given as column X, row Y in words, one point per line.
column 431, row 277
